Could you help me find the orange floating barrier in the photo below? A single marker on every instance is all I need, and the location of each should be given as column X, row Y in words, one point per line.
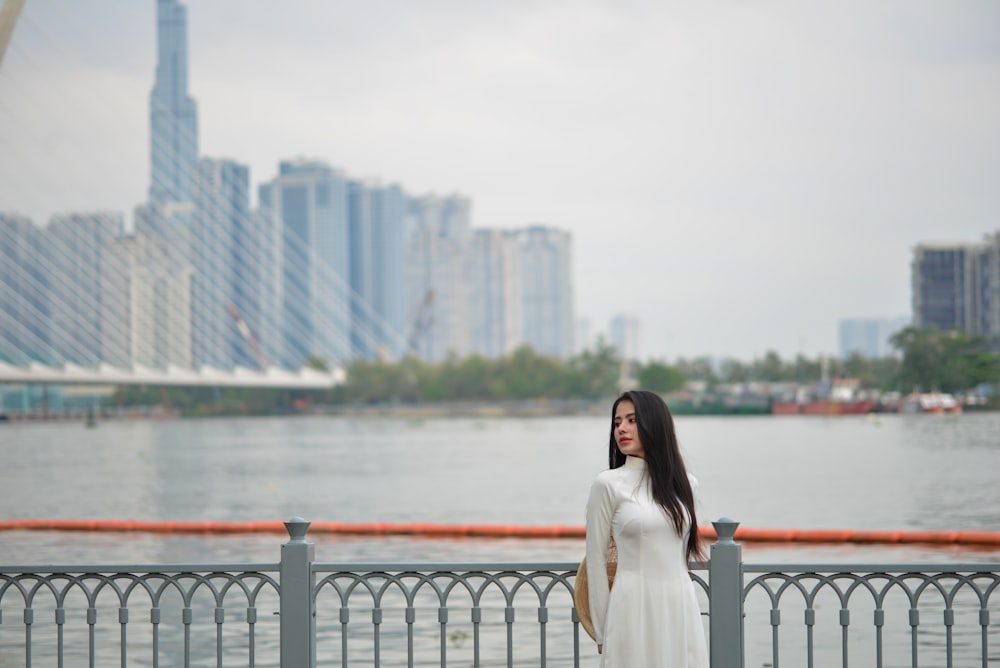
column 978, row 538
column 743, row 534
column 884, row 537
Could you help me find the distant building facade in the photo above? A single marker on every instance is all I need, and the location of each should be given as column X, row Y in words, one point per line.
column 145, row 305
column 305, row 210
column 24, row 293
column 229, row 263
column 75, row 244
column 941, row 287
column 496, row 307
column 868, row 336
column 986, row 286
column 625, row 335
column 957, row 286
column 547, row 289
column 437, row 289
column 377, row 232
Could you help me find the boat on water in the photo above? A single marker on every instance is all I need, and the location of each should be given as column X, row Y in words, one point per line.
column 930, row 402
column 823, row 407
column 841, row 396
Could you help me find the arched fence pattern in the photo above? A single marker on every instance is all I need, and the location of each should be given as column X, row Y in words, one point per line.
column 84, row 591
column 467, row 604
column 301, row 613
column 948, row 589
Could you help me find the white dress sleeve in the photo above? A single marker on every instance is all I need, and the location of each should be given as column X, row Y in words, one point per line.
column 600, row 511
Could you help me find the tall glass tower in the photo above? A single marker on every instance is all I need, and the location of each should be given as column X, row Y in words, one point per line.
column 306, row 211
column 173, row 114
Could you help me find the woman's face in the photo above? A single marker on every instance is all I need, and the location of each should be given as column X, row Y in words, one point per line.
column 627, row 431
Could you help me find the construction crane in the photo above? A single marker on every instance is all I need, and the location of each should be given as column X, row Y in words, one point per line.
column 258, row 351
column 9, row 12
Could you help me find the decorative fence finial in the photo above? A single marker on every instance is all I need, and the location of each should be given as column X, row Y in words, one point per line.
column 725, row 529
column 297, row 528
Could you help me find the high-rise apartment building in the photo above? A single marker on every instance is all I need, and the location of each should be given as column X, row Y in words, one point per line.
column 305, row 210
column 986, row 286
column 496, row 306
column 377, row 231
column 957, row 286
column 228, row 261
column 546, row 261
column 360, row 230
column 437, row 288
column 941, row 286
column 145, row 305
column 173, row 113
column 389, row 240
column 24, row 293
column 75, row 244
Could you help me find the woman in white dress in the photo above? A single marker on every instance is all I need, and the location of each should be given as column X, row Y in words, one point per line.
column 650, row 617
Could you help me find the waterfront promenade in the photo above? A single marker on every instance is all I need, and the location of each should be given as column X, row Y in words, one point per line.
column 299, row 612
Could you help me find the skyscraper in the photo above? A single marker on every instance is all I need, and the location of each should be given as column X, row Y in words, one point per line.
column 940, row 279
column 389, row 242
column 496, row 306
column 986, row 286
column 305, row 210
column 226, row 260
column 173, row 114
column 76, row 243
column 957, row 286
column 378, row 253
column 546, row 257
column 438, row 290
column 24, row 293
column 145, row 305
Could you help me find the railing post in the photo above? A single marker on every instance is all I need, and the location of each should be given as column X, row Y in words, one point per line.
column 725, row 578
column 298, row 618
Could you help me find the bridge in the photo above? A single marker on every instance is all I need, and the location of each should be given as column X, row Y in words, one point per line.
column 172, row 376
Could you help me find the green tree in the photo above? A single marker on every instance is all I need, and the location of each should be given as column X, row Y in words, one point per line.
column 699, row 368
column 468, row 378
column 529, row 375
column 660, row 377
column 594, row 373
column 733, row 370
column 949, row 361
column 771, row 368
column 805, row 370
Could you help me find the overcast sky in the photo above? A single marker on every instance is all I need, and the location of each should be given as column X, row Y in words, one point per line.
column 739, row 175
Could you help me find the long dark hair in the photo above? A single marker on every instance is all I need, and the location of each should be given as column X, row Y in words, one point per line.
column 668, row 479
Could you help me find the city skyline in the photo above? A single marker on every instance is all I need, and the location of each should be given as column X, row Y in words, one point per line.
column 701, row 203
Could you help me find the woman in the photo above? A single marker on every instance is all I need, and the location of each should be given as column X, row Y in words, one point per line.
column 650, row 617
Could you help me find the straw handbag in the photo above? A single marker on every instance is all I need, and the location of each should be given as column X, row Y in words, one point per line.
column 581, row 596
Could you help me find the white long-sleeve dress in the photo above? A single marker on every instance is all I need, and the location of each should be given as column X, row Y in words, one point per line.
column 650, row 618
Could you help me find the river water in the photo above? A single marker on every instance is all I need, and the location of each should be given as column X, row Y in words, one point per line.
column 859, row 472
column 866, row 472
